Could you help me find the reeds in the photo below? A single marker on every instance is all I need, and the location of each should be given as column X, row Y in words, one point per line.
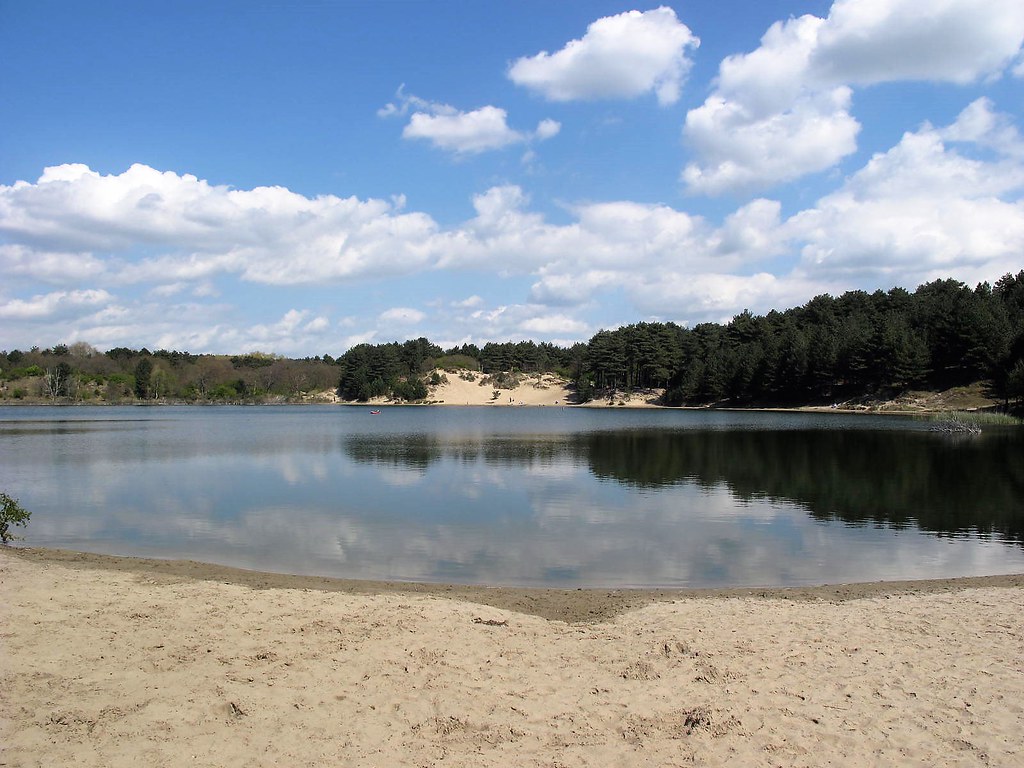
column 971, row 422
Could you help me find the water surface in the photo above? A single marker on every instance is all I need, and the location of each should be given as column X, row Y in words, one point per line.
column 521, row 496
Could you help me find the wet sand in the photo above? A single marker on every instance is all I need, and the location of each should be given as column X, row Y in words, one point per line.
column 110, row 661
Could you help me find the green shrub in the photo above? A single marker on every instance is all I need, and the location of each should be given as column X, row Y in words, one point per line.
column 11, row 513
column 410, row 389
column 457, row 362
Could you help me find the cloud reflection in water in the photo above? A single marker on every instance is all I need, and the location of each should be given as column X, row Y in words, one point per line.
column 594, row 507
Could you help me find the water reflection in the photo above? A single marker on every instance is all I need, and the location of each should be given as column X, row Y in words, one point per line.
column 899, row 479
column 522, row 496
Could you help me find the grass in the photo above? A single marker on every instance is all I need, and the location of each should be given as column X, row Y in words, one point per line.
column 977, row 418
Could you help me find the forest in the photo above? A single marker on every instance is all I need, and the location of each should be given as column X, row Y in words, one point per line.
column 830, row 349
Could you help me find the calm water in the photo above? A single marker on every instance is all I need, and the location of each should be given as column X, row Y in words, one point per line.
column 522, row 496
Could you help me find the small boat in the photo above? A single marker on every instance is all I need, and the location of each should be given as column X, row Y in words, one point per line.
column 375, row 413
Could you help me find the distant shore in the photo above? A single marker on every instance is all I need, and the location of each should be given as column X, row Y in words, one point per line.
column 111, row 661
column 470, row 388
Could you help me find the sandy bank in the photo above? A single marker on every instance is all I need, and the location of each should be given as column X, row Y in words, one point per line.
column 111, row 662
column 530, row 389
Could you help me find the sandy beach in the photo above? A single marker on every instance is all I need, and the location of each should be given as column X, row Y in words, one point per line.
column 117, row 662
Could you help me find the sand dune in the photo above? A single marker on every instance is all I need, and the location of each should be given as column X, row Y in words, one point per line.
column 535, row 389
column 107, row 666
column 530, row 389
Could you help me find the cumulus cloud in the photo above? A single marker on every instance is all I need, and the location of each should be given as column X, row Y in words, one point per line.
column 956, row 41
column 715, row 297
column 944, row 201
column 783, row 110
column 54, row 267
column 922, row 209
column 465, row 132
column 740, row 152
column 462, row 133
column 154, row 226
column 621, row 56
column 981, row 124
column 58, row 304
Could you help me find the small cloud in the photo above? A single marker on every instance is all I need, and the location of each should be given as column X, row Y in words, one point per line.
column 547, row 129
column 468, row 133
column 402, row 316
column 620, row 56
column 463, row 133
column 472, row 301
column 405, row 102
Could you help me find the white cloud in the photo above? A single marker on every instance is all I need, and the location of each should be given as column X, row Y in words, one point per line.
column 464, row 132
column 740, row 153
column 144, row 225
column 714, row 297
column 783, row 110
column 165, row 291
column 923, row 210
column 519, row 322
column 205, row 290
column 557, row 287
column 944, row 201
column 54, row 305
column 317, row 325
column 959, row 41
column 52, row 267
column 556, row 324
column 292, row 334
column 751, row 232
column 547, row 129
column 620, row 56
column 402, row 316
column 406, row 101
column 978, row 123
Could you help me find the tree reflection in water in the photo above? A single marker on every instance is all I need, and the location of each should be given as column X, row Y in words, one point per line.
column 942, row 485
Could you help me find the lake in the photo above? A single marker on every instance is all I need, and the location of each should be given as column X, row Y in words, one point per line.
column 559, row 497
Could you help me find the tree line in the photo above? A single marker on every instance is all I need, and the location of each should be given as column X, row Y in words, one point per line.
column 80, row 373
column 832, row 348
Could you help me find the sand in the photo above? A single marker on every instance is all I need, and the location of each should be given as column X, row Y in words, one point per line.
column 121, row 662
column 530, row 389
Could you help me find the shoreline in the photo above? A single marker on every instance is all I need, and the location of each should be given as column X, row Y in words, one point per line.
column 541, row 390
column 567, row 605
column 816, row 409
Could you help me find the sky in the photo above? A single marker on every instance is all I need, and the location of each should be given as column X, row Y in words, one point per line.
column 300, row 177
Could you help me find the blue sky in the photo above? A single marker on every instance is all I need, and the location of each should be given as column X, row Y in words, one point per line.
column 298, row 177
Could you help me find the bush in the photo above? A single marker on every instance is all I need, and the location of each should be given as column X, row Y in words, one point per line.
column 11, row 513
column 457, row 363
column 410, row 389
